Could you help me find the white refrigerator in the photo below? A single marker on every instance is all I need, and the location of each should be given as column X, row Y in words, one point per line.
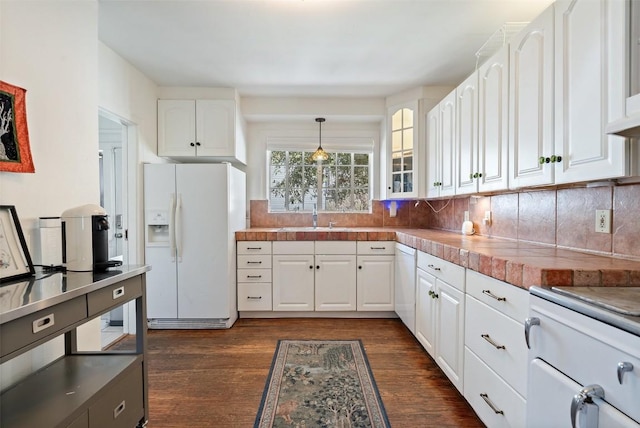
column 191, row 214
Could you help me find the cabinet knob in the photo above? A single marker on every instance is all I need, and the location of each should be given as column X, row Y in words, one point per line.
column 192, row 144
column 555, row 158
column 197, row 144
column 311, row 267
column 318, row 267
column 359, row 267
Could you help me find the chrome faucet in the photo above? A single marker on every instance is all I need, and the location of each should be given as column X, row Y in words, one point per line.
column 315, row 216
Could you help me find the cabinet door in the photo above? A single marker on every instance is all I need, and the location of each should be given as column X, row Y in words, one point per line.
column 375, row 281
column 176, row 127
column 425, row 311
column 335, row 283
column 493, row 122
column 448, row 145
column 434, row 157
column 293, row 282
column 450, row 332
column 215, row 120
column 404, row 151
column 589, row 89
column 531, row 106
column 467, row 135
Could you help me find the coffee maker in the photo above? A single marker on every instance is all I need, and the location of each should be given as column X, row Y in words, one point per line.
column 85, row 239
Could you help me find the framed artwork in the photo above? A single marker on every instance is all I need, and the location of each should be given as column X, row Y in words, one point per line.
column 15, row 152
column 15, row 261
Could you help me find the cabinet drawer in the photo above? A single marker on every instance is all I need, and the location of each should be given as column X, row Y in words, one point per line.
column 336, row 247
column 261, row 261
column 254, row 275
column 508, row 299
column 23, row 331
column 254, row 297
column 81, row 421
column 483, row 388
column 442, row 269
column 376, row 247
column 293, row 247
column 254, row 247
column 485, row 325
column 114, row 295
column 121, row 404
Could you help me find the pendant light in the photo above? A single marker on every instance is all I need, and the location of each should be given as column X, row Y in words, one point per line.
column 320, row 155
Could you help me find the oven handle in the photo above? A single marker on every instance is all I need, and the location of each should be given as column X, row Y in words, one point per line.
column 585, row 398
column 528, row 323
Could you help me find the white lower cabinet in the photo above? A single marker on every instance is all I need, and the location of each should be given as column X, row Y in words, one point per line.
column 254, row 275
column 335, row 276
column 495, row 351
column 495, row 402
column 293, row 276
column 375, row 276
column 440, row 312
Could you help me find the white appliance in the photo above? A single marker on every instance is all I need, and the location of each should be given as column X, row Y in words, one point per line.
column 191, row 214
column 584, row 363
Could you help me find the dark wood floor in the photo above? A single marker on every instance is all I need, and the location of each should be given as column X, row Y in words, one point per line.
column 215, row 378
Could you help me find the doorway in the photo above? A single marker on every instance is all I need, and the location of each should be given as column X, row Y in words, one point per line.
column 112, row 152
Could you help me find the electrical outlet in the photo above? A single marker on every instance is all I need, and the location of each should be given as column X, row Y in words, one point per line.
column 603, row 221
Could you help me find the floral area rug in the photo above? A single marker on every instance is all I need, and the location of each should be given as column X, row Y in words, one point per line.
column 316, row 383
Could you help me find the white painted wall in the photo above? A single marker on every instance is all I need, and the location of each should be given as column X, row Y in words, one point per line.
column 49, row 48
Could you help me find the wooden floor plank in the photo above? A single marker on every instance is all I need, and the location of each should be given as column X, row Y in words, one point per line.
column 215, row 378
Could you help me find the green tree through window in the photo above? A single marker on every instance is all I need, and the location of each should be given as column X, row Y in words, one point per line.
column 341, row 183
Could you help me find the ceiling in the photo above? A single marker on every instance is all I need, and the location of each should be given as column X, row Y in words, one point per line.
column 307, row 48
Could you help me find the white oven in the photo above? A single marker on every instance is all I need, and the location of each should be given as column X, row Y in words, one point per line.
column 584, row 364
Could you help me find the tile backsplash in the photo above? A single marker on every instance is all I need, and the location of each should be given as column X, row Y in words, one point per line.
column 560, row 217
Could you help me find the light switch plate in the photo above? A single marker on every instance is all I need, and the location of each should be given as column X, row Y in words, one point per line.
column 603, row 221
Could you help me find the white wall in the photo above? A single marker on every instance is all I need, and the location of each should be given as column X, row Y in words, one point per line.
column 126, row 93
column 49, row 48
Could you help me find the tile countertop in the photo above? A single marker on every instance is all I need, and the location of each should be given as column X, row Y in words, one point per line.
column 518, row 263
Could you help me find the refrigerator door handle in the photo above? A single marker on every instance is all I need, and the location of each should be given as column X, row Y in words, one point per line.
column 172, row 226
column 179, row 228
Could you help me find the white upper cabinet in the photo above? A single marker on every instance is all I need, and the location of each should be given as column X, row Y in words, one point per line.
column 531, row 104
column 493, row 122
column 404, row 152
column 590, row 89
column 434, row 164
column 466, row 136
column 441, row 148
column 200, row 129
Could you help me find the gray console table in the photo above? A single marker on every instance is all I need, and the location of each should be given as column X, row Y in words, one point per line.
column 79, row 389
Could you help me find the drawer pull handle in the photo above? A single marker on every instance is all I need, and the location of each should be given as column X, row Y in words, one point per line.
column 378, row 248
column 254, row 297
column 583, row 400
column 490, row 340
column 433, row 267
column 118, row 292
column 528, row 323
column 493, row 296
column 43, row 323
column 623, row 367
column 119, row 409
column 485, row 397
column 254, row 263
column 254, row 248
column 254, row 276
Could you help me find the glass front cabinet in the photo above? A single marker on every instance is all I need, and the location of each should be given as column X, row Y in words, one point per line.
column 403, row 171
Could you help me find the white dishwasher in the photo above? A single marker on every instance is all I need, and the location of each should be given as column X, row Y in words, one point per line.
column 584, row 360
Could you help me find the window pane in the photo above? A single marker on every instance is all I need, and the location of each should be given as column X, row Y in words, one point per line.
column 408, row 161
column 329, row 176
column 361, row 176
column 396, row 120
column 407, row 139
column 407, row 118
column 344, row 176
column 278, row 158
column 396, row 141
column 361, row 159
column 397, row 183
column 361, row 199
column 396, row 162
column 295, row 158
column 344, row 158
column 408, row 182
